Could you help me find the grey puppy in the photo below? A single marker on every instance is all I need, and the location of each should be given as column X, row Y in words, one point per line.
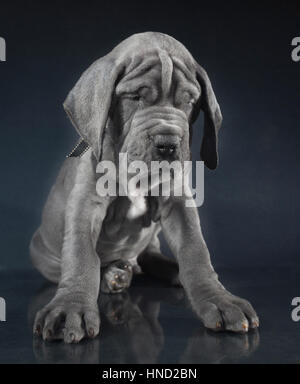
column 140, row 99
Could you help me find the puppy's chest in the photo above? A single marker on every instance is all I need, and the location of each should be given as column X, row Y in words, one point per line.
column 128, row 218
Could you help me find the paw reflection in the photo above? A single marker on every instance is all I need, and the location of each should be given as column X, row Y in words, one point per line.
column 219, row 348
column 137, row 327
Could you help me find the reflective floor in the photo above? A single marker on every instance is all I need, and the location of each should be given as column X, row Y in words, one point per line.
column 152, row 323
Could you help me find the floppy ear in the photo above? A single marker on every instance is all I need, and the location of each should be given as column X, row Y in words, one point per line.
column 88, row 103
column 212, row 120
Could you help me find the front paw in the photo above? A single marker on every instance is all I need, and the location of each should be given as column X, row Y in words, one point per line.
column 226, row 312
column 69, row 318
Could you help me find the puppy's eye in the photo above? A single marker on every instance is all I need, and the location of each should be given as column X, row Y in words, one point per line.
column 136, row 97
column 189, row 99
column 133, row 96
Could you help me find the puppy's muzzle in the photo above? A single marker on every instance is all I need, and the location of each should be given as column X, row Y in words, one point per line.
column 165, row 126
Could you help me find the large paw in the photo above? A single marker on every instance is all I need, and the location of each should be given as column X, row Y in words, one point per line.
column 226, row 312
column 116, row 277
column 68, row 318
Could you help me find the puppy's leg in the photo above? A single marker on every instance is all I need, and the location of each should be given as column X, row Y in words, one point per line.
column 116, row 277
column 74, row 308
column 217, row 308
column 46, row 243
column 45, row 261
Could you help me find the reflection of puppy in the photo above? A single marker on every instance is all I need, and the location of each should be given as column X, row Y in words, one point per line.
column 141, row 99
column 206, row 347
column 131, row 333
column 128, row 321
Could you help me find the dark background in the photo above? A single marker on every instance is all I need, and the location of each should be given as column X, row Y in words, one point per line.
column 250, row 215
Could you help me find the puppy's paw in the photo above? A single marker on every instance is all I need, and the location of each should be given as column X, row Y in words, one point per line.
column 226, row 312
column 116, row 277
column 68, row 318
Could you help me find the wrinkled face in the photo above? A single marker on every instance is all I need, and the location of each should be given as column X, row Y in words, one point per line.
column 153, row 106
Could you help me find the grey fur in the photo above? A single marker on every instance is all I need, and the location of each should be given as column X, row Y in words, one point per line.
column 128, row 101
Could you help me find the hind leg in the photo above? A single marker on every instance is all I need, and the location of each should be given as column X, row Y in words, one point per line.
column 44, row 260
column 116, row 277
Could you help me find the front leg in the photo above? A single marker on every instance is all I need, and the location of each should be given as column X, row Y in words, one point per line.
column 73, row 312
column 216, row 307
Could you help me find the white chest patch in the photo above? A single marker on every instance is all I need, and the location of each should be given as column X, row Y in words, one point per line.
column 138, row 207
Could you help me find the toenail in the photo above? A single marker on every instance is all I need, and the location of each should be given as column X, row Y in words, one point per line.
column 49, row 334
column 72, row 336
column 37, row 330
column 245, row 326
column 218, row 325
column 91, row 332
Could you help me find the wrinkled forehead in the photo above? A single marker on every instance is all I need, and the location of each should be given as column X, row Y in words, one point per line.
column 147, row 59
column 143, row 44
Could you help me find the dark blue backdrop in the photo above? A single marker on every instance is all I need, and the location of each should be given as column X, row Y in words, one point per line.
column 251, row 210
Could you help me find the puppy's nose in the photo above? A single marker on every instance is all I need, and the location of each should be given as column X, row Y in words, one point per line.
column 166, row 145
column 165, row 149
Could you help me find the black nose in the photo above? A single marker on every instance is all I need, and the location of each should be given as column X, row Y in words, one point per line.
column 165, row 150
